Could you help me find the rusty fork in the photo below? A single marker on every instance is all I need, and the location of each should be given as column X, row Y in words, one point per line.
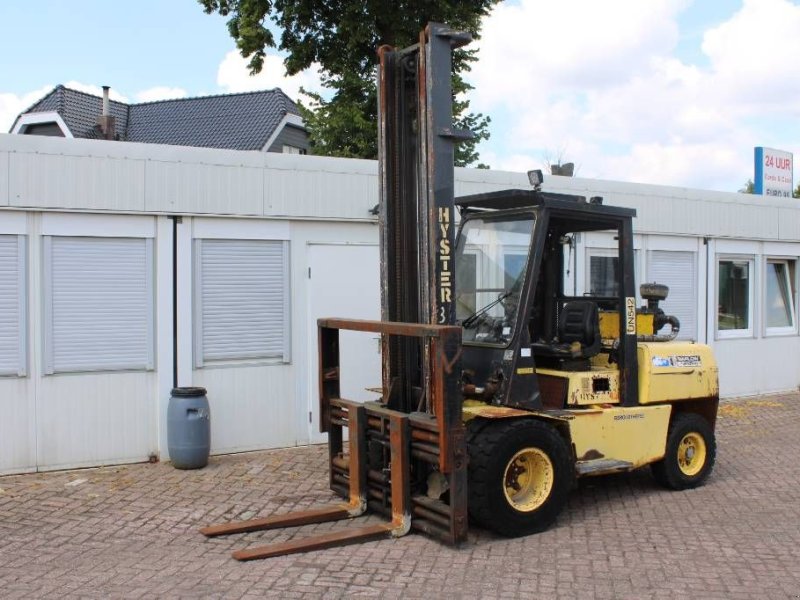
column 355, row 418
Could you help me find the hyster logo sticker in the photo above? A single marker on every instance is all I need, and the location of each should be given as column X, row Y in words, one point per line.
column 630, row 315
column 679, row 360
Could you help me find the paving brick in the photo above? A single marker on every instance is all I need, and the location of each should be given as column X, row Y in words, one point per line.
column 131, row 532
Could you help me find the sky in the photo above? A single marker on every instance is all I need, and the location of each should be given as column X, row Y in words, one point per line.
column 673, row 92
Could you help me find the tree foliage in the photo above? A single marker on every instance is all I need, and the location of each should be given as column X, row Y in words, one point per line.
column 750, row 188
column 342, row 37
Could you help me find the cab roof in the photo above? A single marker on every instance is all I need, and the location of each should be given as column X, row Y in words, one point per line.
column 519, row 198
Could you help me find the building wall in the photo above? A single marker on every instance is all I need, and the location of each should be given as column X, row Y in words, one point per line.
column 318, row 207
column 290, row 136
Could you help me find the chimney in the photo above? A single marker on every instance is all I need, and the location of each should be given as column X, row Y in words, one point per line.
column 105, row 121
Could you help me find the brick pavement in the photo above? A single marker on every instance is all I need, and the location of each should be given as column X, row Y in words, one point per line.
column 131, row 532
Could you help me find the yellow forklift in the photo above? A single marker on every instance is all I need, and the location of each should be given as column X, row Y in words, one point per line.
column 499, row 388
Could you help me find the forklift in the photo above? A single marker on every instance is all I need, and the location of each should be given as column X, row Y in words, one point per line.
column 499, row 388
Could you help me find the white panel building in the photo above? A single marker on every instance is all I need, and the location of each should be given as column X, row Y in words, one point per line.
column 95, row 236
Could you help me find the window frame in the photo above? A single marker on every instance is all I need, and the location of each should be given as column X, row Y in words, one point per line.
column 791, row 279
column 608, row 252
column 199, row 360
column 752, row 314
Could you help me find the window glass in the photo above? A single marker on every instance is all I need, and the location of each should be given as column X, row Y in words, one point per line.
column 733, row 311
column 490, row 264
column 467, row 277
column 780, row 295
column 513, row 264
column 603, row 276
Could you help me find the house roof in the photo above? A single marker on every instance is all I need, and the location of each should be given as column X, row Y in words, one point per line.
column 234, row 121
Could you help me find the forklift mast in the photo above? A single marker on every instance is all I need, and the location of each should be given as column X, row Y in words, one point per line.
column 416, row 142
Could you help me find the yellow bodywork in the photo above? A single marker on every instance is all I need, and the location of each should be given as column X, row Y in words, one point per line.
column 607, row 437
column 620, row 437
column 609, row 324
column 584, row 388
column 670, row 371
column 637, row 435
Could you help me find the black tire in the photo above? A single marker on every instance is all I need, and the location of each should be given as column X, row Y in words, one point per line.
column 676, row 471
column 491, row 468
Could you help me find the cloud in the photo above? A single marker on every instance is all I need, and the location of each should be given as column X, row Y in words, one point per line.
column 233, row 75
column 96, row 90
column 754, row 56
column 13, row 104
column 160, row 93
column 603, row 81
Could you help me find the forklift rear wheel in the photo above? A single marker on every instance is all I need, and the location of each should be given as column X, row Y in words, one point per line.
column 520, row 473
column 689, row 455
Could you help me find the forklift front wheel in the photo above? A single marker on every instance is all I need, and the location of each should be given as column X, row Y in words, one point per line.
column 520, row 473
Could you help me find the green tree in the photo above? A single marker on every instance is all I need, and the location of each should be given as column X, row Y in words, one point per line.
column 749, row 188
column 342, row 36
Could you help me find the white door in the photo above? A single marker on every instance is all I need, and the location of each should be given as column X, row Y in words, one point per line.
column 344, row 281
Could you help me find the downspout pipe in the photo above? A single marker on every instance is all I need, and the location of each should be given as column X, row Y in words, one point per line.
column 176, row 219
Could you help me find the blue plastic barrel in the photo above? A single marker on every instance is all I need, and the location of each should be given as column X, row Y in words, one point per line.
column 189, row 428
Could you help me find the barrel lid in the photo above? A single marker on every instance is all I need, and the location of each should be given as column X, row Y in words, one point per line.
column 188, row 391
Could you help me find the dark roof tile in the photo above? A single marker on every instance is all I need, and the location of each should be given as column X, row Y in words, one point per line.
column 234, row 121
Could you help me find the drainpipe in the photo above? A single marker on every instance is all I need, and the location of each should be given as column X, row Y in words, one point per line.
column 175, row 220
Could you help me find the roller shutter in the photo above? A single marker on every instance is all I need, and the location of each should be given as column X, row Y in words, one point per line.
column 242, row 300
column 12, row 305
column 98, row 304
column 678, row 271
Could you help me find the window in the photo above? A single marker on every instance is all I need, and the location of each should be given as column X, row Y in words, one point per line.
column 513, row 265
column 242, row 300
column 467, row 278
column 676, row 270
column 98, row 299
column 490, row 262
column 287, row 149
column 779, row 310
column 734, row 297
column 603, row 278
column 13, row 360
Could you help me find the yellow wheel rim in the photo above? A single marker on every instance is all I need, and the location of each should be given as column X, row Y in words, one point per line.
column 691, row 454
column 528, row 479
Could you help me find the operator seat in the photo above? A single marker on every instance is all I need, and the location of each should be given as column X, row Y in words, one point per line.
column 578, row 334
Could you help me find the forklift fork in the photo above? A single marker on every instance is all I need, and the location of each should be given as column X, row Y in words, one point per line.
column 434, row 441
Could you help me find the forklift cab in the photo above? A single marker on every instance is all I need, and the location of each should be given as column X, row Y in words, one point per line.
column 513, row 305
